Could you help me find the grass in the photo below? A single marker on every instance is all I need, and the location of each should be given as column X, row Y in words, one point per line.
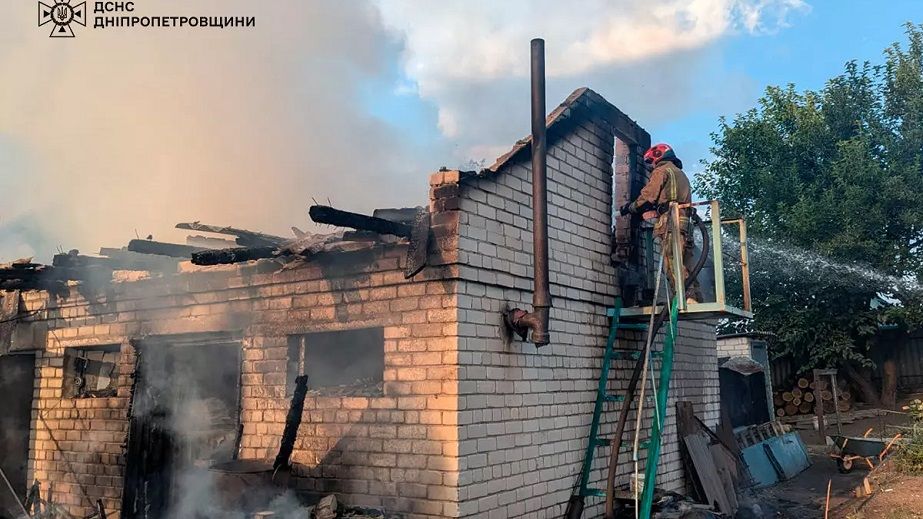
column 899, row 513
column 909, row 459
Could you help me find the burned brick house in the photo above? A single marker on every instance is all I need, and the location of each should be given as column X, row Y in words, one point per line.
column 420, row 401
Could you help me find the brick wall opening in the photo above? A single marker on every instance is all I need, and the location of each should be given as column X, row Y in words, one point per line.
column 347, row 362
column 91, row 371
column 185, row 415
column 17, row 377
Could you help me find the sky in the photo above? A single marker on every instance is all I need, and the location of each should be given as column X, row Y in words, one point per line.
column 123, row 132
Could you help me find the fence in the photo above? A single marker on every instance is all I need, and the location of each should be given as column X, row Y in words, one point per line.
column 908, row 357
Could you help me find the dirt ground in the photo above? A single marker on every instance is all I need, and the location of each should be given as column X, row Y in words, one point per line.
column 901, row 497
column 803, row 497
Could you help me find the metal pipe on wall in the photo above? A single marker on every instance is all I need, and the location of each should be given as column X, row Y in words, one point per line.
column 541, row 297
column 537, row 320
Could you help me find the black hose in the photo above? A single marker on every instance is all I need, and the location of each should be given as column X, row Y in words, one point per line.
column 706, row 244
column 616, row 441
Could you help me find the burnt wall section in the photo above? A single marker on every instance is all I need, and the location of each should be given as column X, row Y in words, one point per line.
column 632, row 252
column 396, row 448
column 17, row 375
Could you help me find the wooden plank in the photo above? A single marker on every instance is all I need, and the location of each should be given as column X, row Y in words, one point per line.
column 725, row 459
column 729, row 491
column 819, row 405
column 685, row 426
column 705, row 469
column 726, row 432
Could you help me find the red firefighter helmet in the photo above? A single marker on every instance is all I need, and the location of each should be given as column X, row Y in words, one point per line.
column 657, row 153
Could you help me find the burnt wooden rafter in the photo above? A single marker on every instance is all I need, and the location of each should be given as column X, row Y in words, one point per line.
column 244, row 237
column 340, row 218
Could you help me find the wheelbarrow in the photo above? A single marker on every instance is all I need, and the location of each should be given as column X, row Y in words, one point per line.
column 851, row 449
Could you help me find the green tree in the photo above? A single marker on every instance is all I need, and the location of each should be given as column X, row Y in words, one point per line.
column 831, row 184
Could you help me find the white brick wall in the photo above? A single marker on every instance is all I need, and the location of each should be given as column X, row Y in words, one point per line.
column 734, row 347
column 525, row 412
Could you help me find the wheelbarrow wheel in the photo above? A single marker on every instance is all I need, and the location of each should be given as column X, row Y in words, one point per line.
column 844, row 465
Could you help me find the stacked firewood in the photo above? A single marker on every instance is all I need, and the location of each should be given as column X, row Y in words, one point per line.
column 801, row 398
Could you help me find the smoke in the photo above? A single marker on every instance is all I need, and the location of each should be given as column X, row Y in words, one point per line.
column 118, row 131
column 187, row 399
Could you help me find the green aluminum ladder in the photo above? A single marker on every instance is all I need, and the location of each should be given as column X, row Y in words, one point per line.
column 603, row 396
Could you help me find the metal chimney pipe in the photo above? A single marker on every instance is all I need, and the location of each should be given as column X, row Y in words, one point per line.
column 541, row 297
column 537, row 320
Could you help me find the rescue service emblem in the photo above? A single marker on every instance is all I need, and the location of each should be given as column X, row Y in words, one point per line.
column 61, row 14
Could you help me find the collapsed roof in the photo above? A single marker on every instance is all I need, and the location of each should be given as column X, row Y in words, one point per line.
column 384, row 226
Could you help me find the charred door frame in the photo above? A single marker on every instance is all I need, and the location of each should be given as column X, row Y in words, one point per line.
column 18, row 475
column 145, row 446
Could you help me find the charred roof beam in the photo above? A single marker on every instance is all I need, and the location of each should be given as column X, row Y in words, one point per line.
column 360, row 222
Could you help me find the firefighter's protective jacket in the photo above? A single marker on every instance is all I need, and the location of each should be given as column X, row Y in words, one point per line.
column 666, row 184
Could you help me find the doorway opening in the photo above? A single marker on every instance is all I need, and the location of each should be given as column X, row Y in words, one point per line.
column 17, row 379
column 185, row 417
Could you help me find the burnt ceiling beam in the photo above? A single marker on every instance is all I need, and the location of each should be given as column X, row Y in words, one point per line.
column 233, row 255
column 332, row 216
column 174, row 250
column 244, row 238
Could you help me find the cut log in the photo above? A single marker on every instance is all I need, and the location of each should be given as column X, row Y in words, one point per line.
column 780, row 412
column 845, row 395
column 803, row 383
column 826, row 395
column 808, row 397
column 796, row 401
column 843, row 406
column 797, row 393
column 804, row 408
column 777, row 399
column 791, row 409
column 787, row 396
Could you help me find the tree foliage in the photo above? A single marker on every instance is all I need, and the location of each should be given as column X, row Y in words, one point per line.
column 831, row 185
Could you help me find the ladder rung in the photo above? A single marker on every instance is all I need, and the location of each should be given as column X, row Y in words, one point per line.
column 594, row 492
column 619, row 354
column 625, row 354
column 632, row 326
column 611, row 397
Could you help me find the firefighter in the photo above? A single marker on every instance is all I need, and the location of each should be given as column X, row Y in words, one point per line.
column 667, row 184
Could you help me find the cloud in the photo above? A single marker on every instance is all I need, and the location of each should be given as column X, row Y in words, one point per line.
column 768, row 16
column 118, row 129
column 468, row 58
